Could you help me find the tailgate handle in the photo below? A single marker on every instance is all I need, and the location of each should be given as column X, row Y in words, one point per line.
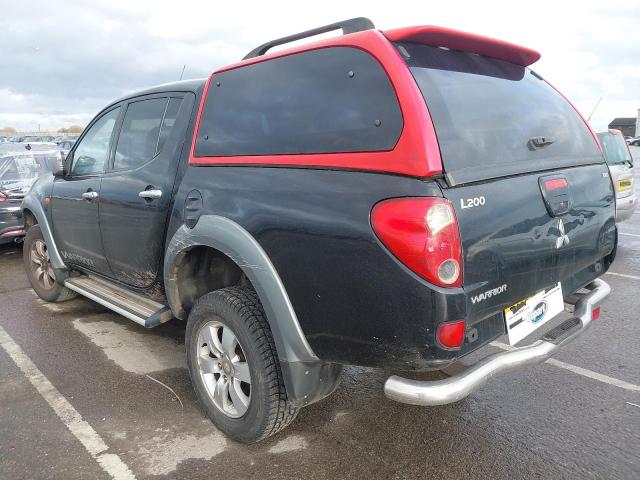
column 539, row 142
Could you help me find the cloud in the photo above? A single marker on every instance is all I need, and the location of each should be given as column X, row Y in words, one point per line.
column 63, row 61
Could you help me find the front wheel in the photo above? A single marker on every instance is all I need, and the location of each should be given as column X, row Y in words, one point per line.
column 234, row 365
column 37, row 264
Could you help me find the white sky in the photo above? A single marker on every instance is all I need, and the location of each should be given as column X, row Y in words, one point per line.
column 62, row 61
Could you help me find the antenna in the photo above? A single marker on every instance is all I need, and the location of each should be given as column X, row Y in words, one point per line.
column 594, row 109
column 182, row 73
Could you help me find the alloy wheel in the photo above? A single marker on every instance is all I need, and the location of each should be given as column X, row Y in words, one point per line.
column 41, row 265
column 223, row 369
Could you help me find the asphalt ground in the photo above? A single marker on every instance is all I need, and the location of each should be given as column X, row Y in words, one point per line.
column 79, row 399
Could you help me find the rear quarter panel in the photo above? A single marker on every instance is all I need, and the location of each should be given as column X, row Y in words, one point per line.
column 355, row 302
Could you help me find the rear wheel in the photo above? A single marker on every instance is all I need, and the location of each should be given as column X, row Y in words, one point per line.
column 234, row 365
column 37, row 264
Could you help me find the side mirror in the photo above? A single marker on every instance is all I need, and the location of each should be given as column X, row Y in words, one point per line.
column 58, row 168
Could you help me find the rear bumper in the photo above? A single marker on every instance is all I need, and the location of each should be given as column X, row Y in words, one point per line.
column 453, row 389
column 625, row 207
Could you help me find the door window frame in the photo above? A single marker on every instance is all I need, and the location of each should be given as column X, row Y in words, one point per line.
column 110, row 167
column 116, row 128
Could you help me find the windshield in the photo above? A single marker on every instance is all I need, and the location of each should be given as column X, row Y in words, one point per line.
column 494, row 118
column 19, row 171
column 615, row 148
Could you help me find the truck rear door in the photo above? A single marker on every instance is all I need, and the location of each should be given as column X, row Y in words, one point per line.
column 532, row 194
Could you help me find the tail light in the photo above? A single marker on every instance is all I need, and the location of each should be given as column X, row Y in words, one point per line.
column 595, row 313
column 422, row 232
column 3, row 197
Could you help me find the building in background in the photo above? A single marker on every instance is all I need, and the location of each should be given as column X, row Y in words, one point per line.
column 629, row 126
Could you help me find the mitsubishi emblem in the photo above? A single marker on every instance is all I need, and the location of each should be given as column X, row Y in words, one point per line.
column 563, row 238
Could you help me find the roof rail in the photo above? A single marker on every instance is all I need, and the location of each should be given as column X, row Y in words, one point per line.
column 347, row 26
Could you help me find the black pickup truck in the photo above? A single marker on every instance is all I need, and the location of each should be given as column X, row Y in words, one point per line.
column 391, row 199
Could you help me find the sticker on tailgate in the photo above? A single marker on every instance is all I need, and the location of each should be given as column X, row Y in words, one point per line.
column 527, row 315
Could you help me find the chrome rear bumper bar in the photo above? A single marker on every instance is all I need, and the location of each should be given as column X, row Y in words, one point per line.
column 457, row 387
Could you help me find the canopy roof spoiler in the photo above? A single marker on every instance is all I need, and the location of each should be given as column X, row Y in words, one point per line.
column 347, row 26
column 466, row 42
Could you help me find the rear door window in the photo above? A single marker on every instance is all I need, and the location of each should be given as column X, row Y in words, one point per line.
column 139, row 136
column 322, row 101
column 493, row 118
column 168, row 121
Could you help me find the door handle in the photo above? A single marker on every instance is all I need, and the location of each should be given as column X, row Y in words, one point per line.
column 90, row 195
column 150, row 194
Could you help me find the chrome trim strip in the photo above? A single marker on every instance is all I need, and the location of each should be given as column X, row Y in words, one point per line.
column 150, row 194
column 453, row 389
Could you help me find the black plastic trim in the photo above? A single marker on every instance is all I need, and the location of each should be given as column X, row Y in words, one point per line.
column 352, row 25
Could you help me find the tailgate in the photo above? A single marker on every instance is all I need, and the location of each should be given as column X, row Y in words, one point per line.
column 514, row 245
column 532, row 193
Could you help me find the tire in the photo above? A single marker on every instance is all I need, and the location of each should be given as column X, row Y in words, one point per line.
column 39, row 270
column 245, row 411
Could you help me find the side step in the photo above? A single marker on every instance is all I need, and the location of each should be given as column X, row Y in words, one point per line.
column 135, row 307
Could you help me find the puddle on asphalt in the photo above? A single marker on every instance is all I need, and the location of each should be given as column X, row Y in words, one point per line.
column 52, row 307
column 164, row 452
column 133, row 349
column 289, row 444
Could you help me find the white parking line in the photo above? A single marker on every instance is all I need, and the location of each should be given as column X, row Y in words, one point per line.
column 92, row 442
column 633, row 277
column 581, row 371
column 629, row 234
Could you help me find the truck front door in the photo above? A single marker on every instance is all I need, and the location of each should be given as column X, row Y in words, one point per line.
column 76, row 197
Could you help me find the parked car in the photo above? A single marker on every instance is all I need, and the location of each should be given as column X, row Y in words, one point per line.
column 620, row 162
column 65, row 146
column 634, row 141
column 302, row 210
column 19, row 168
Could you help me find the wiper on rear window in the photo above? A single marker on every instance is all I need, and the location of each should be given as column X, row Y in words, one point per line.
column 539, row 142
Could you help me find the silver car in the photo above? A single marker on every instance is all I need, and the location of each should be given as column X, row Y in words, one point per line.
column 620, row 161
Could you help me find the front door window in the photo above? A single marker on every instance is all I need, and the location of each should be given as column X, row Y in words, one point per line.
column 92, row 151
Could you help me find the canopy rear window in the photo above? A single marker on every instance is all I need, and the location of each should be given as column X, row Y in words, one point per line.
column 330, row 100
column 494, row 118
